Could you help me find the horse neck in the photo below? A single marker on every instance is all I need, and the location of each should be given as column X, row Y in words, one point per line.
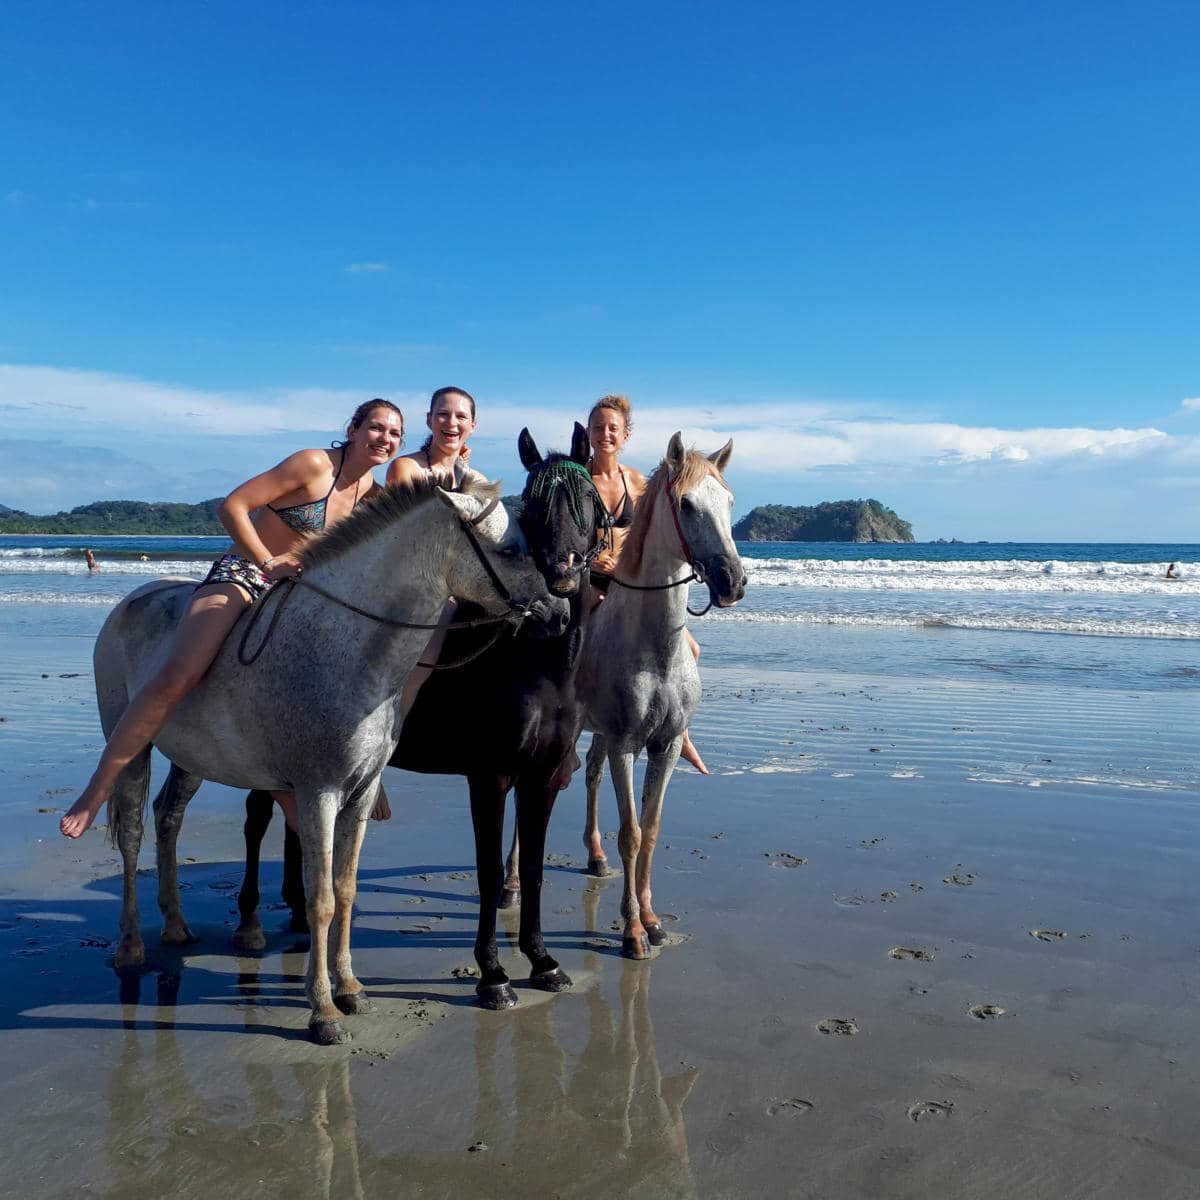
column 662, row 562
column 398, row 572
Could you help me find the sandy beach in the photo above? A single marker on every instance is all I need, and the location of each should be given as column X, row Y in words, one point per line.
column 875, row 866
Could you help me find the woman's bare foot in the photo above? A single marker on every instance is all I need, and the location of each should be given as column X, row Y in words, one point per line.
column 79, row 817
column 382, row 810
column 689, row 753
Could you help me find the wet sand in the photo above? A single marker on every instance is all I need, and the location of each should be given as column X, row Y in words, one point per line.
column 870, row 855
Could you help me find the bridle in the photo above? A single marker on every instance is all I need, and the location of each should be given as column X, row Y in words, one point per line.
column 697, row 573
column 516, row 615
column 601, row 526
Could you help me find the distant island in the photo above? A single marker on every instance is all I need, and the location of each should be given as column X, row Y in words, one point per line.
column 833, row 521
column 129, row 517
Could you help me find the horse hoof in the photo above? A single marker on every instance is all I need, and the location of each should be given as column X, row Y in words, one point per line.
column 634, row 947
column 598, row 867
column 355, row 1004
column 299, row 922
column 178, row 935
column 556, row 980
column 249, row 938
column 656, row 935
column 510, row 898
column 496, row 997
column 328, row 1033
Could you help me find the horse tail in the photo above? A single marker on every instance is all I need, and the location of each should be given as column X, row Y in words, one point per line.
column 138, row 772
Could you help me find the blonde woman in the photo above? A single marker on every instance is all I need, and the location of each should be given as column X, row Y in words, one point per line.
column 609, row 425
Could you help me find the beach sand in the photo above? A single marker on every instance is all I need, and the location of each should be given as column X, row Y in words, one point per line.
column 876, row 852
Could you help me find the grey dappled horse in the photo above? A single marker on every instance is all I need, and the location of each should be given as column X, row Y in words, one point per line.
column 637, row 678
column 305, row 697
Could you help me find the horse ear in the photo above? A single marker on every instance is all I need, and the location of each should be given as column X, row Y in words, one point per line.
column 580, row 446
column 531, row 456
column 466, row 505
column 720, row 458
column 675, row 451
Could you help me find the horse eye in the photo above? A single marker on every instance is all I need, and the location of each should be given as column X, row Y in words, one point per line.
column 688, row 503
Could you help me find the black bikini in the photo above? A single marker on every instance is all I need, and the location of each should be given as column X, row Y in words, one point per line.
column 621, row 520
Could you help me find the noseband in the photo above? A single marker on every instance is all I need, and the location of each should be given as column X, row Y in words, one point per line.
column 517, row 613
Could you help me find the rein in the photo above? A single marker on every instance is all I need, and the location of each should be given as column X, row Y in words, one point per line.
column 697, row 574
column 515, row 615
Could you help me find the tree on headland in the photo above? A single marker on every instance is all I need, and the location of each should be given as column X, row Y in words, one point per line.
column 832, row 521
column 129, row 517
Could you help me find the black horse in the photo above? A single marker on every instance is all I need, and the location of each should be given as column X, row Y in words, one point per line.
column 526, row 685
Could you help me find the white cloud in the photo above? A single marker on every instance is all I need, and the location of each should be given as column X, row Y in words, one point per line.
column 366, row 268
column 33, row 400
column 1192, row 404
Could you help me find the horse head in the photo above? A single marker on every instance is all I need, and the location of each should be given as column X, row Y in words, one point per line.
column 500, row 571
column 562, row 513
column 702, row 504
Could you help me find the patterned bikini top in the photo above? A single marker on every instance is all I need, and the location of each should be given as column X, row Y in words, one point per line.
column 308, row 517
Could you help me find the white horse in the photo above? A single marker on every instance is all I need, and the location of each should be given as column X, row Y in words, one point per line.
column 304, row 697
column 638, row 679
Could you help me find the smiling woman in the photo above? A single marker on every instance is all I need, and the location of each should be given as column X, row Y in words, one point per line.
column 267, row 517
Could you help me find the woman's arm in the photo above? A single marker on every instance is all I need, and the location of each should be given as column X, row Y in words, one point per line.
column 298, row 471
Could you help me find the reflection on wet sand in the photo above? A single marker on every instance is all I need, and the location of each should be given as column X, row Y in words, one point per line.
column 545, row 1122
column 290, row 1131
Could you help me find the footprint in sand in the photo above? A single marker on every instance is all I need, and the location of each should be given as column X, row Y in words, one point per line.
column 789, row 1108
column 924, row 1109
column 964, row 880
column 1047, row 935
column 842, row 1026
column 781, row 858
column 852, row 901
column 984, row 1011
column 911, row 952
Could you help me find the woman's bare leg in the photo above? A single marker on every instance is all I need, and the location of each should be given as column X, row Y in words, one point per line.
column 198, row 640
column 687, row 751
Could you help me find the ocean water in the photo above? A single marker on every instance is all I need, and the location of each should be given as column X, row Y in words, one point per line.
column 1080, row 613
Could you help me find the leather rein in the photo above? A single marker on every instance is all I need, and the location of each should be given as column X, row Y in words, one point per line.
column 515, row 616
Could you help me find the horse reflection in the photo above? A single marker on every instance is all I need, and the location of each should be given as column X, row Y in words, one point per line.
column 290, row 1131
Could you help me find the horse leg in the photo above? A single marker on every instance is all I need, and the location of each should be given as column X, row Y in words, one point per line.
column 535, row 801
column 629, row 840
column 317, row 814
column 659, row 765
column 348, row 831
column 293, row 880
column 126, row 808
column 487, row 816
column 169, row 806
column 249, row 933
column 510, row 897
column 594, row 776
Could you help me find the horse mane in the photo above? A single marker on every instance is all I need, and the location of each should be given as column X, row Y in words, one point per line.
column 376, row 512
column 696, row 468
column 557, row 471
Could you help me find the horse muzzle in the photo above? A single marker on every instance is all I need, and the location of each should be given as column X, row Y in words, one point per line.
column 725, row 577
column 549, row 618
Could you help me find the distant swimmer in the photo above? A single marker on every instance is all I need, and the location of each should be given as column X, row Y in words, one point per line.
column 90, row 558
column 1172, row 571
column 144, row 557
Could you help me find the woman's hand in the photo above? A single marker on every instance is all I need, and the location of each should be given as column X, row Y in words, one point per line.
column 282, row 566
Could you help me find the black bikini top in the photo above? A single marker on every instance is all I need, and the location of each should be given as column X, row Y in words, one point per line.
column 624, row 517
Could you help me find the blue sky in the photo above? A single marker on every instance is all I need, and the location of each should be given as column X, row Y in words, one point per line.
column 944, row 255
